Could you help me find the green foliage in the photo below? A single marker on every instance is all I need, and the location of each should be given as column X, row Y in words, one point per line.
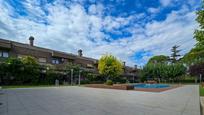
column 15, row 69
column 31, row 70
column 20, row 71
column 197, row 53
column 175, row 54
column 199, row 33
column 159, row 59
column 3, row 72
column 109, row 82
column 90, row 76
column 162, row 71
column 75, row 68
column 110, row 66
column 28, row 60
column 176, row 70
column 51, row 76
column 201, row 91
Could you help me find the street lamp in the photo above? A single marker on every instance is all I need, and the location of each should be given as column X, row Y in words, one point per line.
column 80, row 77
column 72, row 76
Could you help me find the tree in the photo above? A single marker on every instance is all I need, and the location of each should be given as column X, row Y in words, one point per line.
column 197, row 69
column 29, row 60
column 31, row 70
column 14, row 70
column 197, row 53
column 3, row 71
column 176, row 70
column 199, row 33
column 110, row 66
column 159, row 59
column 163, row 71
column 175, row 53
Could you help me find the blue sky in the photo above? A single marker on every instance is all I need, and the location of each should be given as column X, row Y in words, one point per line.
column 132, row 30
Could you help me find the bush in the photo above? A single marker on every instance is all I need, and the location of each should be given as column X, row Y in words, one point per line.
column 109, row 82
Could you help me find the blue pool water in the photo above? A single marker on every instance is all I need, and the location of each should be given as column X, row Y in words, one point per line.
column 151, row 86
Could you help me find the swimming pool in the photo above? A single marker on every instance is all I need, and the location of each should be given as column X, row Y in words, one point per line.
column 151, row 86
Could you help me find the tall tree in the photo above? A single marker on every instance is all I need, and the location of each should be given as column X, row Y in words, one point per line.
column 175, row 53
column 110, row 66
column 197, row 53
column 159, row 59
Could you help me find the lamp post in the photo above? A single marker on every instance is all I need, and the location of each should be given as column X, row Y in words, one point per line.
column 72, row 76
column 80, row 77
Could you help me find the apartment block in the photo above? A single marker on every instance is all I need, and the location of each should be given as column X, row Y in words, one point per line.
column 48, row 56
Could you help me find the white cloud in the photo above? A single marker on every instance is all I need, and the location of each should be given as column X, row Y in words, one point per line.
column 153, row 10
column 166, row 2
column 96, row 9
column 71, row 28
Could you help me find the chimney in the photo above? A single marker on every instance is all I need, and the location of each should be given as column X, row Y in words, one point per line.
column 135, row 66
column 31, row 39
column 124, row 69
column 124, row 63
column 80, row 53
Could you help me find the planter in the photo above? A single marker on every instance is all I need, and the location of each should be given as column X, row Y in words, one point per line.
column 115, row 86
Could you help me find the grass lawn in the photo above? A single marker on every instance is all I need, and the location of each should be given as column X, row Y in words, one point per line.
column 201, row 91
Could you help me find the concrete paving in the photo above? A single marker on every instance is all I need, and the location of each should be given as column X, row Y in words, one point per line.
column 75, row 100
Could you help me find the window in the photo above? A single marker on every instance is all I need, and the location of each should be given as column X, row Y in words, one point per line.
column 4, row 54
column 42, row 60
column 89, row 65
column 55, row 61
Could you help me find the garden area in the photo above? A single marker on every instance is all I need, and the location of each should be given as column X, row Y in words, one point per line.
column 27, row 72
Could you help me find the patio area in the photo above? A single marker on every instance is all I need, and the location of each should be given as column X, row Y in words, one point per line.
column 73, row 100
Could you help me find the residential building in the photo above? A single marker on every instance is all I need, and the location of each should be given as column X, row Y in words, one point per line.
column 48, row 56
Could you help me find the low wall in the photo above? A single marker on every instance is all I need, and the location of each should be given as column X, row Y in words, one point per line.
column 115, row 86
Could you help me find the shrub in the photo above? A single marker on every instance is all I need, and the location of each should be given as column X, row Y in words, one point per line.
column 109, row 82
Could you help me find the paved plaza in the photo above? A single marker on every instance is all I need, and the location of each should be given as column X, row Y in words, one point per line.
column 75, row 100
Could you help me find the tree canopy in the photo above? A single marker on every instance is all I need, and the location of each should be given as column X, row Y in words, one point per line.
column 163, row 71
column 29, row 60
column 110, row 66
column 175, row 54
column 159, row 59
column 197, row 53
